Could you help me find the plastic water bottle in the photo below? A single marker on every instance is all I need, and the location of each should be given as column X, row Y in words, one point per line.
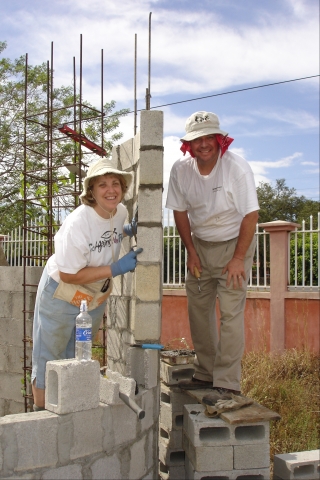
column 83, row 333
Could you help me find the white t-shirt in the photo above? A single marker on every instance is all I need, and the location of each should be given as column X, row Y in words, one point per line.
column 86, row 239
column 216, row 203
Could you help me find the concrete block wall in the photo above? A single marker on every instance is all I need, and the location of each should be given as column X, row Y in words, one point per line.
column 12, row 333
column 99, row 436
column 78, row 436
column 134, row 308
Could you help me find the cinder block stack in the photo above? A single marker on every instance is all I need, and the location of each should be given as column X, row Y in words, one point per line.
column 215, row 448
column 172, row 401
column 297, row 465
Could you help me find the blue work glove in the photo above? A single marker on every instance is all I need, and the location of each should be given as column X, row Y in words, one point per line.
column 127, row 263
column 130, row 229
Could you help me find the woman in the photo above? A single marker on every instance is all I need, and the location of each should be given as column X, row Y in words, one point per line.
column 87, row 248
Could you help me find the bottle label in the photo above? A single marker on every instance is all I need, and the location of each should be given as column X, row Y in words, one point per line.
column 83, row 334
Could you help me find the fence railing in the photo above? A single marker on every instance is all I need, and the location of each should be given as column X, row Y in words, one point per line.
column 303, row 250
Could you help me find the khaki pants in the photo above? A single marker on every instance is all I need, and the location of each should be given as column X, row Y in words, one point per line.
column 218, row 358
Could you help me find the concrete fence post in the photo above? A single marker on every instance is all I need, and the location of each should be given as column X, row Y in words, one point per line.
column 279, row 257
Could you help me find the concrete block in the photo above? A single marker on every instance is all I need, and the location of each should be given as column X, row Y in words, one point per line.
column 109, row 392
column 114, row 344
column 30, row 441
column 114, row 160
column 6, row 304
column 122, row 425
column 15, row 358
column 171, row 438
column 147, row 321
column 72, row 472
column 87, row 433
column 72, row 386
column 254, row 474
column 173, row 374
column 205, row 431
column 171, row 473
column 11, row 386
column 126, row 154
column 106, row 468
column 209, row 459
column 148, row 283
column 147, row 400
column 151, row 128
column 251, row 456
column 151, row 240
column 126, row 385
column 171, row 457
column 118, row 311
column 171, row 420
column 11, row 279
column 175, row 397
column 150, row 205
column 136, row 148
column 151, row 167
column 138, row 466
column 143, row 366
column 297, row 465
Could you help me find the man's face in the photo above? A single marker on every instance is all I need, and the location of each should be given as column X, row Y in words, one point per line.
column 205, row 148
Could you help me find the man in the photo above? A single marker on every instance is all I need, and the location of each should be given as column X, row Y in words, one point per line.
column 213, row 197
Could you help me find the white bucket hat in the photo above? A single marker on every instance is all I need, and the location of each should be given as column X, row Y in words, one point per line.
column 101, row 167
column 200, row 124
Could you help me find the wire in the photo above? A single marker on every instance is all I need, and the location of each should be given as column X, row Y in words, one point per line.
column 226, row 93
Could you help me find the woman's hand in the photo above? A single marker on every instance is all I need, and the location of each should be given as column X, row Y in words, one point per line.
column 126, row 264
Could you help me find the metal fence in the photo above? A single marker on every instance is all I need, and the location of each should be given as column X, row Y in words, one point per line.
column 303, row 251
column 303, row 261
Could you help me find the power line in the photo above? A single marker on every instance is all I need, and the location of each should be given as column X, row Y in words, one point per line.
column 229, row 92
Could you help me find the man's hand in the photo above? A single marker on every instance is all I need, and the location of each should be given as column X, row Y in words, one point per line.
column 193, row 261
column 236, row 273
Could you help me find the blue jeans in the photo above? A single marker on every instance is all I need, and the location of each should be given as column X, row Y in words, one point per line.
column 54, row 328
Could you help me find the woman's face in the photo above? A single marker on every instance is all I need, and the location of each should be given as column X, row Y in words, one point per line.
column 107, row 192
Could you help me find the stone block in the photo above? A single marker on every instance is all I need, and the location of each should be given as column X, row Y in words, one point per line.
column 148, row 283
column 209, row 459
column 171, row 457
column 297, row 465
column 205, row 431
column 72, row 386
column 151, row 128
column 30, row 441
column 171, row 420
column 150, row 205
column 151, row 167
column 171, row 473
column 106, row 468
column 171, row 438
column 175, row 397
column 147, row 321
column 175, row 374
column 251, row 456
column 71, row 472
column 143, row 366
column 151, row 240
column 87, row 433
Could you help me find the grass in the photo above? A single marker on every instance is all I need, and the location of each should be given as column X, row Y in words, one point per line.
column 288, row 384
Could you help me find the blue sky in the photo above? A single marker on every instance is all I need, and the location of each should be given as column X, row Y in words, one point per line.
column 199, row 48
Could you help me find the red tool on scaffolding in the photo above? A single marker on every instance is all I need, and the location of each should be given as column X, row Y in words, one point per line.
column 80, row 138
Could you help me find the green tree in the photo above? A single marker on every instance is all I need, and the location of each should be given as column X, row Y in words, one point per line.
column 12, row 103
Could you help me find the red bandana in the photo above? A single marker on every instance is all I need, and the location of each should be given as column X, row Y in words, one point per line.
column 224, row 142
